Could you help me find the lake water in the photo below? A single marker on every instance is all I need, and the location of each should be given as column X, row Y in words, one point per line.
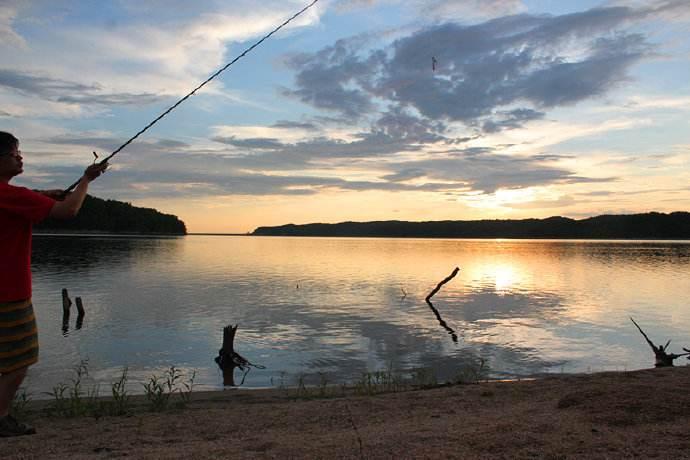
column 337, row 307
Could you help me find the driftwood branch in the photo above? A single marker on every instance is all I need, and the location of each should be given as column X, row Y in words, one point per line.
column 651, row 344
column 443, row 324
column 438, row 286
column 662, row 359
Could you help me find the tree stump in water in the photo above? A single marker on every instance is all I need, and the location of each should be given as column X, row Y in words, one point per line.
column 227, row 358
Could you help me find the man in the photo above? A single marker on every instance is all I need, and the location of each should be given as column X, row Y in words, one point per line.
column 20, row 208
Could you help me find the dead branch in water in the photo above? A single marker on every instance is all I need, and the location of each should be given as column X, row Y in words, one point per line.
column 438, row 286
column 662, row 359
column 443, row 324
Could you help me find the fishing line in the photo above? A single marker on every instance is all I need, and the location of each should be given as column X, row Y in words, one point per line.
column 191, row 93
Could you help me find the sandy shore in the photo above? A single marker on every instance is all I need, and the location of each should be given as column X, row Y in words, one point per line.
column 640, row 414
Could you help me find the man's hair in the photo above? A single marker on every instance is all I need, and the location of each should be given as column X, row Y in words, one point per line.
column 7, row 142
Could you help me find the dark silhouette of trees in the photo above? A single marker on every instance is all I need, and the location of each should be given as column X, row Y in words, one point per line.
column 651, row 225
column 113, row 216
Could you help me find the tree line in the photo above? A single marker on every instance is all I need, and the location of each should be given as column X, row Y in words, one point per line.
column 652, row 225
column 112, row 216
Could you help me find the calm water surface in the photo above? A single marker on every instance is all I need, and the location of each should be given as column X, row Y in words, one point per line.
column 338, row 307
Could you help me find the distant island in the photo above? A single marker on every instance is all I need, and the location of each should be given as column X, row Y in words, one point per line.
column 652, row 225
column 111, row 216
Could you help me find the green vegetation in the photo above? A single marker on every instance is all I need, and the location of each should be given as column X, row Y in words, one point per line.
column 379, row 382
column 20, row 402
column 159, row 389
column 173, row 390
column 651, row 225
column 74, row 399
column 111, row 216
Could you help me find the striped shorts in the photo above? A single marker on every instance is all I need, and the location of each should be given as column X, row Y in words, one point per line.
column 18, row 335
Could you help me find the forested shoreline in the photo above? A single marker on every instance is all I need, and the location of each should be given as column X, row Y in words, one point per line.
column 652, row 225
column 112, row 216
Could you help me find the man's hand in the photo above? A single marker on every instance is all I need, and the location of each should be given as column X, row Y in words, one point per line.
column 95, row 170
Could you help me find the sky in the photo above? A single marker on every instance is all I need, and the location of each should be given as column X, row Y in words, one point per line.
column 358, row 110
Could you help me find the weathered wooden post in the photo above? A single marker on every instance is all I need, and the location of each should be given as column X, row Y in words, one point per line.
column 80, row 312
column 66, row 304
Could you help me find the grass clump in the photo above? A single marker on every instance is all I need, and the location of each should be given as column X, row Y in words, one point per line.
column 160, row 389
column 72, row 399
column 19, row 403
column 472, row 373
column 386, row 381
column 119, row 405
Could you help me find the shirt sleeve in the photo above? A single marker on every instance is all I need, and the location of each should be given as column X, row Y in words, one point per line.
column 30, row 205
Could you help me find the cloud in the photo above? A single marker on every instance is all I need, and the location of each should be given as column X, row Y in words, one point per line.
column 405, row 175
column 142, row 51
column 265, row 166
column 8, row 36
column 395, row 132
column 349, row 5
column 287, row 124
column 55, row 89
column 331, row 78
column 97, row 140
column 560, row 203
column 252, row 143
column 511, row 119
column 473, row 9
column 442, row 9
column 488, row 172
column 499, row 74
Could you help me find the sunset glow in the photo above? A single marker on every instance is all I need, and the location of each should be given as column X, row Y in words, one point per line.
column 359, row 110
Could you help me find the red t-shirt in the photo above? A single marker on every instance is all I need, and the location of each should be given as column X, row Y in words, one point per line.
column 20, row 208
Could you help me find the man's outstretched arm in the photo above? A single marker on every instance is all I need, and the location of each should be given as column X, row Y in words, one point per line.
column 70, row 206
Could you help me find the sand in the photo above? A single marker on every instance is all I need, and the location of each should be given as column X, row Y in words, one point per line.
column 642, row 414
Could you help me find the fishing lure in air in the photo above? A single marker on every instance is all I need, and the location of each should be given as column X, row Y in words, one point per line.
column 191, row 93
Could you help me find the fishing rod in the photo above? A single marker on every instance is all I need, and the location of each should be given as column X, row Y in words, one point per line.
column 191, row 93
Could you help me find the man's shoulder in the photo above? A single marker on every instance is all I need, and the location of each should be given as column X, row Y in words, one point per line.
column 13, row 188
column 17, row 190
column 15, row 197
